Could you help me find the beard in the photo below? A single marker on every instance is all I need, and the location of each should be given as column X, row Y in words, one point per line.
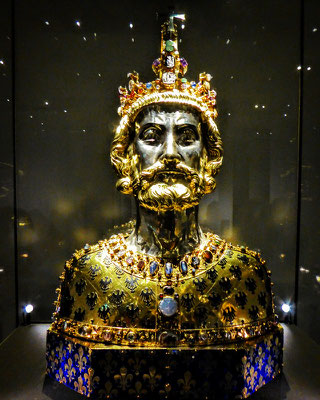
column 169, row 185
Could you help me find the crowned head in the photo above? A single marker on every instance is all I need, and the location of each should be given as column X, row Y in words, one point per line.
column 167, row 148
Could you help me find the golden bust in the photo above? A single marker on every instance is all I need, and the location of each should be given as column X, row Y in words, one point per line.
column 165, row 282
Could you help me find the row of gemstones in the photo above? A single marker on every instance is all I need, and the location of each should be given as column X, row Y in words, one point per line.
column 192, row 262
column 142, row 336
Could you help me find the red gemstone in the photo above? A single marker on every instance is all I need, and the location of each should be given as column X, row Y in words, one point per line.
column 140, row 265
column 207, row 256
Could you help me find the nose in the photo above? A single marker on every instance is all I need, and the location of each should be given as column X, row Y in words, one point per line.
column 170, row 148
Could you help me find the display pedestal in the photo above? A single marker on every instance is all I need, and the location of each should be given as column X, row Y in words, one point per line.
column 114, row 372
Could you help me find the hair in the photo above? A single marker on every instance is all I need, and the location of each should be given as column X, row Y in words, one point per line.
column 122, row 157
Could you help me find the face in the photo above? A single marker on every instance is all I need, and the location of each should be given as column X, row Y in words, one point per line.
column 169, row 135
column 170, row 153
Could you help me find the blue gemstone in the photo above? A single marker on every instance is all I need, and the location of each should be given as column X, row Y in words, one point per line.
column 168, row 270
column 168, row 306
column 153, row 267
column 183, row 267
column 193, row 84
column 148, row 85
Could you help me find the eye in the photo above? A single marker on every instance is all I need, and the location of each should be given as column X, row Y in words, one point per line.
column 187, row 136
column 151, row 135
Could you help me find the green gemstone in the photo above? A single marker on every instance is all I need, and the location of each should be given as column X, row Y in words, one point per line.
column 184, row 80
column 169, row 45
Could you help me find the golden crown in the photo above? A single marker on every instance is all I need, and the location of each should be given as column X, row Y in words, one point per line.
column 170, row 86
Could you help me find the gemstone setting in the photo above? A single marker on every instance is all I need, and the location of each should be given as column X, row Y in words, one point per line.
column 169, row 78
column 153, row 267
column 168, row 269
column 207, row 256
column 183, row 267
column 195, row 262
column 168, row 306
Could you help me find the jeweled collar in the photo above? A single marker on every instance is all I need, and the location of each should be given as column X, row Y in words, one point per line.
column 116, row 251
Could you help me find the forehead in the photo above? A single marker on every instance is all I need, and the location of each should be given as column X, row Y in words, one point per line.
column 168, row 114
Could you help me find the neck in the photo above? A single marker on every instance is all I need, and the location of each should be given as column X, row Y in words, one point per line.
column 169, row 234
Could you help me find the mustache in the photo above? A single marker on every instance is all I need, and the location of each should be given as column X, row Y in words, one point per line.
column 169, row 167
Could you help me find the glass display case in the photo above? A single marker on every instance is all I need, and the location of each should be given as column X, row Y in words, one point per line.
column 60, row 68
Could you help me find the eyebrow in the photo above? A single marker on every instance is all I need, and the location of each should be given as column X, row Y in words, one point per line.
column 158, row 119
column 184, row 118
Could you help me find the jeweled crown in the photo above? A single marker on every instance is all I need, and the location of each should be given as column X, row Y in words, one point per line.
column 170, row 86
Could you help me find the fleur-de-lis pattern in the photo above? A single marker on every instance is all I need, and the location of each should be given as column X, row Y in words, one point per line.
column 108, row 392
column 80, row 359
column 153, row 378
column 123, row 379
column 70, row 370
column 187, row 383
column 68, row 362
column 114, row 373
column 138, row 390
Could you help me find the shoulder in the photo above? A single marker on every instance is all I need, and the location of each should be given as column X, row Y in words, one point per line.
column 91, row 258
column 238, row 286
column 239, row 258
column 85, row 275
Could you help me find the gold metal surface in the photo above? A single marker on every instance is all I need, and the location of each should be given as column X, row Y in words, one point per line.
column 114, row 298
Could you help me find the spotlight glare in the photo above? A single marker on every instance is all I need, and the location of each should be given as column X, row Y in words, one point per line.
column 28, row 308
column 285, row 307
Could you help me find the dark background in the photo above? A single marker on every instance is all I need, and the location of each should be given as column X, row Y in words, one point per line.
column 58, row 102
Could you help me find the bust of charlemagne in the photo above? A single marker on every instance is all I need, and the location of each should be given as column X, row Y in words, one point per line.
column 165, row 281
